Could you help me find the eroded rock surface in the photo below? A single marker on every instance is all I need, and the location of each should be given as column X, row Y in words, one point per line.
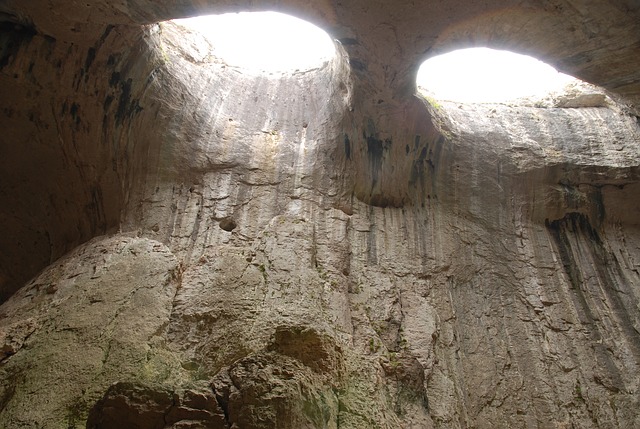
column 99, row 311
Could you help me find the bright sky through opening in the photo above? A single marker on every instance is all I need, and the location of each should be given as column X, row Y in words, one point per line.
column 264, row 41
column 482, row 75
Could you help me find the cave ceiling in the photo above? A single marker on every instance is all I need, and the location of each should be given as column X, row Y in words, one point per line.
column 596, row 41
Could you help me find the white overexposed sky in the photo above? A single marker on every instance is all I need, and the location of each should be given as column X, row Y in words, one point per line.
column 488, row 75
column 264, row 41
column 273, row 42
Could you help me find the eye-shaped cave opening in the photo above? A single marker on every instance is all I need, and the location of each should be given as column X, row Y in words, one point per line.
column 484, row 75
column 254, row 104
column 264, row 42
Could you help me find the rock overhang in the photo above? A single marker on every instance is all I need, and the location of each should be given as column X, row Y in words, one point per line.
column 387, row 42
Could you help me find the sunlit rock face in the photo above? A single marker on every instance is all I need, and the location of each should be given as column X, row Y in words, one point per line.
column 188, row 245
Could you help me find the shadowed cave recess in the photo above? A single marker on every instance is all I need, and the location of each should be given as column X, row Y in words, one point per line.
column 186, row 244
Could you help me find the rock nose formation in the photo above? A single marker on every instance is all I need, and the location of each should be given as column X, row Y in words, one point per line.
column 185, row 245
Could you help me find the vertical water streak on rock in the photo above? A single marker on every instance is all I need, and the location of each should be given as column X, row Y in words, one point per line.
column 577, row 243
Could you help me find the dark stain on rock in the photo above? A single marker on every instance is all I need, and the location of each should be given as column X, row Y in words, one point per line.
column 78, row 79
column 123, row 103
column 567, row 233
column 91, row 56
column 598, row 209
column 347, row 147
column 559, row 229
column 115, row 78
column 418, row 168
column 107, row 102
column 12, row 37
column 126, row 106
column 358, row 65
column 106, row 33
column 74, row 110
column 95, row 211
column 423, row 154
column 375, row 148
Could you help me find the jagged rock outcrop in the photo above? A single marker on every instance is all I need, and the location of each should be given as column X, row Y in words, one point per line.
column 186, row 245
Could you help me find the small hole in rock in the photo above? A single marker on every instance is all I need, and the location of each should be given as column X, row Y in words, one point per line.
column 228, row 224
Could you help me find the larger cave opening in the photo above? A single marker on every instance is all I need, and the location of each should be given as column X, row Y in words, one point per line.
column 264, row 42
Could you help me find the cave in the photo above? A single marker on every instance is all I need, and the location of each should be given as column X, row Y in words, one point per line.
column 186, row 244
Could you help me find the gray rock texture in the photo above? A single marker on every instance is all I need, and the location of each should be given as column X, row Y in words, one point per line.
column 185, row 245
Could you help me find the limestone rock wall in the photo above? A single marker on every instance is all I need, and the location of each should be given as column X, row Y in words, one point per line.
column 70, row 141
column 286, row 253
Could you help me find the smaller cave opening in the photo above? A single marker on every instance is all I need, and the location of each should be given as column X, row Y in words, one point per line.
column 264, row 42
column 483, row 75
